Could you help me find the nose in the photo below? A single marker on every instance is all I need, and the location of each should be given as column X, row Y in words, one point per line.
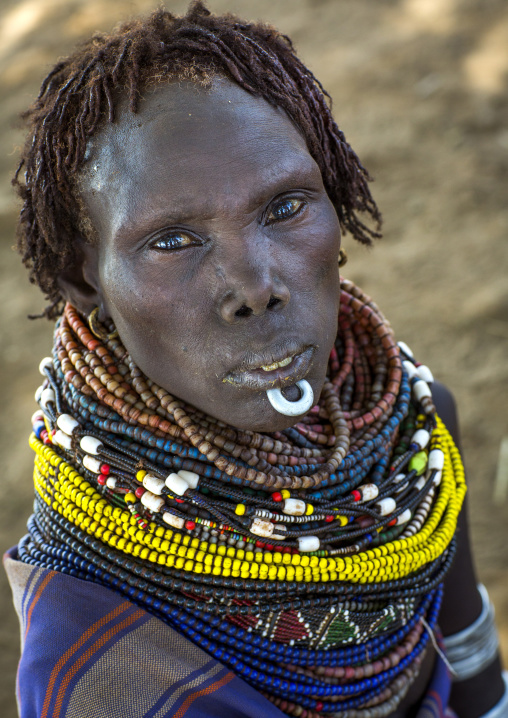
column 252, row 286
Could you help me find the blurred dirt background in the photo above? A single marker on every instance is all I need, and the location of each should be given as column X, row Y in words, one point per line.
column 421, row 89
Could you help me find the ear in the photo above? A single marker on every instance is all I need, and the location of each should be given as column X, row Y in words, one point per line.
column 79, row 283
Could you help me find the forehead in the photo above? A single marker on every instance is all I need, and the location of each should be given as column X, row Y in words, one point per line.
column 184, row 108
column 187, row 144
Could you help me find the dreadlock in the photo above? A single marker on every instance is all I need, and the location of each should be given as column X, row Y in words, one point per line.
column 82, row 91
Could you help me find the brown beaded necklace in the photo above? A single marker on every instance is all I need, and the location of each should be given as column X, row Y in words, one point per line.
column 142, row 402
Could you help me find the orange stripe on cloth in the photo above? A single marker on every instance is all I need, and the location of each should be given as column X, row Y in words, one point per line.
column 99, row 643
column 203, row 692
column 36, row 598
column 86, row 635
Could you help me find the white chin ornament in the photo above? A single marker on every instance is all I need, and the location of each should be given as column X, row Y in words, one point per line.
column 292, row 408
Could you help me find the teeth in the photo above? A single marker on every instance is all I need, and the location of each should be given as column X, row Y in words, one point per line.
column 277, row 364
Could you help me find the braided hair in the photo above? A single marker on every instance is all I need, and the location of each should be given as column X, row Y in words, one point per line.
column 83, row 90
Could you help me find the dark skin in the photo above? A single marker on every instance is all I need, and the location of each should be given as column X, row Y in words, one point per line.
column 216, row 251
column 218, row 248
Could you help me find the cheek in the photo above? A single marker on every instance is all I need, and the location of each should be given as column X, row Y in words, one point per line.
column 316, row 257
column 160, row 320
column 137, row 310
column 135, row 293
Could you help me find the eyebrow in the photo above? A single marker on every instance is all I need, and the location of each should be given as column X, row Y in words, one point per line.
column 301, row 174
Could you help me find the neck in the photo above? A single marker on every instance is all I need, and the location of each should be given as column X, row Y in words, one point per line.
column 328, row 541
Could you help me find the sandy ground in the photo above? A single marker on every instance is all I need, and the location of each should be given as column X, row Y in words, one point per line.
column 420, row 88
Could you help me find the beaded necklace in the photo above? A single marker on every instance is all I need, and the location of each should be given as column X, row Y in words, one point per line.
column 310, row 561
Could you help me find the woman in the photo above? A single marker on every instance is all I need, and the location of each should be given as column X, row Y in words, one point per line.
column 205, row 539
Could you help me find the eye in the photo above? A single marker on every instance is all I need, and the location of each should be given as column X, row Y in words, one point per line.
column 174, row 239
column 284, row 209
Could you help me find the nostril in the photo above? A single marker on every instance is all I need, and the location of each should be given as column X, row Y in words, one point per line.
column 244, row 311
column 273, row 302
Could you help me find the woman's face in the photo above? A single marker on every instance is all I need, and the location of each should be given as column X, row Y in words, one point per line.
column 217, row 249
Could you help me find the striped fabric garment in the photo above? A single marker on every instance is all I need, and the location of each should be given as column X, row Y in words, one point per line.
column 88, row 653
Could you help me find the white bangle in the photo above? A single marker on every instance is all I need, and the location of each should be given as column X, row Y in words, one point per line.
column 470, row 651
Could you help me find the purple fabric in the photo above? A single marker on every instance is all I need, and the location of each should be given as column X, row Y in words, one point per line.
column 87, row 652
column 435, row 703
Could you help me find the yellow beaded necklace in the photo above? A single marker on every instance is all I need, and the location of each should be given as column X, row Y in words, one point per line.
column 61, row 486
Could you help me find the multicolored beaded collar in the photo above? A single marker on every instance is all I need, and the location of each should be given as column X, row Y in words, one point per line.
column 310, row 561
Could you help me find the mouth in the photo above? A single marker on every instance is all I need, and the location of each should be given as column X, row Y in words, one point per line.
column 276, row 367
column 277, row 364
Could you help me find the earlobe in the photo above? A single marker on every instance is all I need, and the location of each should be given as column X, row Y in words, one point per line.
column 79, row 283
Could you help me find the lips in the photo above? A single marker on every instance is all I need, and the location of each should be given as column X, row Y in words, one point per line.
column 275, row 367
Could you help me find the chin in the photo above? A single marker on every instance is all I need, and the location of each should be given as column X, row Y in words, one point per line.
column 256, row 414
column 269, row 422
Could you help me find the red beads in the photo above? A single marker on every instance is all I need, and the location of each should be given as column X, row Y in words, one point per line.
column 46, row 439
column 190, row 525
column 356, row 495
column 101, row 479
column 277, row 496
column 139, row 491
column 105, row 469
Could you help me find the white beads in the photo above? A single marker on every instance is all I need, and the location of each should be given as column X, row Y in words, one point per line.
column 407, row 351
column 176, row 484
column 111, row 482
column 46, row 363
column 368, row 491
column 308, row 543
column 67, row 423
column 261, row 527
column 47, row 396
column 421, row 437
column 294, row 507
column 436, row 460
column 421, row 390
column 401, row 487
column 420, row 483
column 400, row 482
column 62, row 439
column 153, row 484
column 92, row 464
column 38, row 394
column 263, row 513
column 404, row 517
column 410, row 368
column 176, row 521
column 91, row 445
column 37, row 416
column 190, row 477
column 422, row 372
column 386, row 506
column 425, row 373
column 279, row 532
column 183, row 480
column 437, row 478
column 152, row 502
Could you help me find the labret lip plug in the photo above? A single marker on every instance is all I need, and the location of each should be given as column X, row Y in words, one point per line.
column 292, row 408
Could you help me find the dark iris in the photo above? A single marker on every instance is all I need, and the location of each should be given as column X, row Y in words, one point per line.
column 285, row 209
column 173, row 241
